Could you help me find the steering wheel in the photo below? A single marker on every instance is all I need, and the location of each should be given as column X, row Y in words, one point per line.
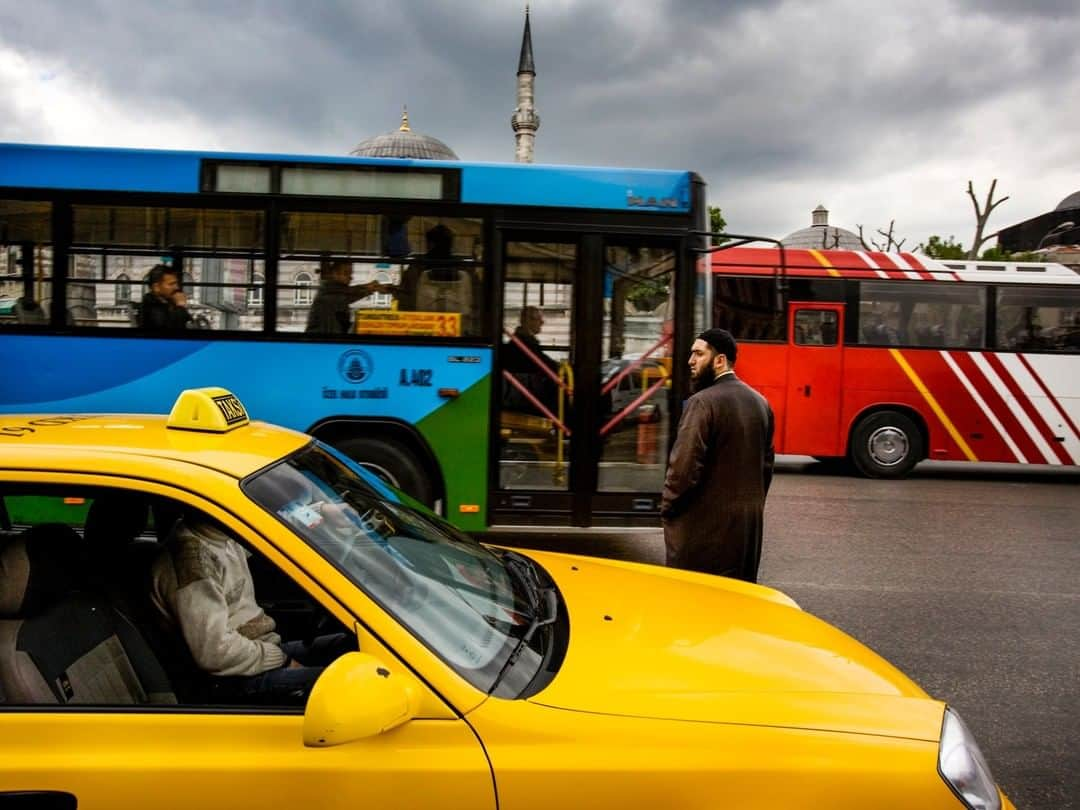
column 321, row 621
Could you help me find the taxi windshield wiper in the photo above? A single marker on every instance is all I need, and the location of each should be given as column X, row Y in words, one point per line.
column 545, row 612
column 523, row 572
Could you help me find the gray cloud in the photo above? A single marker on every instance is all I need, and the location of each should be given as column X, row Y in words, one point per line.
column 778, row 104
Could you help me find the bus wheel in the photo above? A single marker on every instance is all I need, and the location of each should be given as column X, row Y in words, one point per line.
column 393, row 463
column 886, row 444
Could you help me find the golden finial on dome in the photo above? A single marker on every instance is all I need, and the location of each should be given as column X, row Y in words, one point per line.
column 404, row 119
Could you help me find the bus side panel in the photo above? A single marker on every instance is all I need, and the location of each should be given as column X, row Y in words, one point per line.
column 930, row 384
column 459, row 437
column 764, row 367
column 290, row 384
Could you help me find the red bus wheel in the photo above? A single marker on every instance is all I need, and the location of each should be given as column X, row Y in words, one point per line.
column 886, row 444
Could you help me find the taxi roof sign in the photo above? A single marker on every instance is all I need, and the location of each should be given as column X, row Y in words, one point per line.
column 210, row 410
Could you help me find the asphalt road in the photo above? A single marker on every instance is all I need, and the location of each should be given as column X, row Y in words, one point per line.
column 967, row 577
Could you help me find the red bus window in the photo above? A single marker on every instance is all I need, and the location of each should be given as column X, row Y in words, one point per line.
column 815, row 327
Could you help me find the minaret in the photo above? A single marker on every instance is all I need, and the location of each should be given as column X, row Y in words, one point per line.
column 525, row 121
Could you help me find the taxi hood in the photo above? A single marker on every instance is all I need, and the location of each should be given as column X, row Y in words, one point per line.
column 653, row 642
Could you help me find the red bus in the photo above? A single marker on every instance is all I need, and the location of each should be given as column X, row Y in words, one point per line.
column 887, row 359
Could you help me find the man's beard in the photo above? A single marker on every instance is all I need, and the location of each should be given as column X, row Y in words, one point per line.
column 706, row 378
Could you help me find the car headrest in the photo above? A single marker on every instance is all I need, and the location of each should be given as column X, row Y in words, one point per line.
column 38, row 567
column 114, row 520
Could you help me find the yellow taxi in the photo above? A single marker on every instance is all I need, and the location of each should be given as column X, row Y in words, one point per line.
column 476, row 677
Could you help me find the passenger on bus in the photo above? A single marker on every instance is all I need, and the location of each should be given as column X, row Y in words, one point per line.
column 439, row 282
column 1071, row 341
column 525, row 359
column 828, row 332
column 329, row 314
column 165, row 306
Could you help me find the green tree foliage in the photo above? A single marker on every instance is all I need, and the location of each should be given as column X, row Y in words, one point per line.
column 937, row 248
column 998, row 254
column 717, row 223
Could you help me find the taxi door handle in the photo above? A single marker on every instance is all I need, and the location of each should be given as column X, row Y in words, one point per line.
column 449, row 393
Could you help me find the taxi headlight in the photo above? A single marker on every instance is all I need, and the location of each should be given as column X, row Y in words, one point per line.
column 962, row 765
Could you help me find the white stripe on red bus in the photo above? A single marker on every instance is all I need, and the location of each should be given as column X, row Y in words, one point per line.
column 989, row 413
column 1014, row 407
column 1045, row 404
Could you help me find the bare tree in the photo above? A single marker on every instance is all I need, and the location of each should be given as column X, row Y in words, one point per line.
column 981, row 216
column 890, row 242
column 827, row 237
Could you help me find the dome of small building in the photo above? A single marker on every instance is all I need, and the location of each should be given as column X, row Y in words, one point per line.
column 822, row 236
column 404, row 143
column 1070, row 202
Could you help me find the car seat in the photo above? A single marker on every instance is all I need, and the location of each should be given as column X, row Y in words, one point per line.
column 61, row 643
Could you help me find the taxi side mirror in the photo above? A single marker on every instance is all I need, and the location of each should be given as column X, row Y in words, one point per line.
column 356, row 697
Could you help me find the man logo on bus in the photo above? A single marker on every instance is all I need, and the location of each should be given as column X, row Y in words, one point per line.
column 355, row 366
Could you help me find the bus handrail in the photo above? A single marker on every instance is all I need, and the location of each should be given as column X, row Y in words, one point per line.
column 538, row 362
column 780, row 272
column 558, row 474
column 621, row 415
column 634, row 365
column 536, row 403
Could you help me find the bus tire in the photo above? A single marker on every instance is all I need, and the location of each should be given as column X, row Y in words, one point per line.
column 393, row 463
column 886, row 444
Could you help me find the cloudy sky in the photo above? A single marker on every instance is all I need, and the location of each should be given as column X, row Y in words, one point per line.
column 879, row 111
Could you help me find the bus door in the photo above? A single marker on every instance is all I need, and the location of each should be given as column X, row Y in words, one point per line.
column 535, row 383
column 815, row 373
column 583, row 380
column 631, row 427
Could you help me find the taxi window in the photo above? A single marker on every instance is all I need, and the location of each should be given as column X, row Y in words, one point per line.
column 27, row 510
column 452, row 593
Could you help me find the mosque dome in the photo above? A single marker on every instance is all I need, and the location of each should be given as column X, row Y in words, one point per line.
column 404, row 143
column 1070, row 202
column 822, row 236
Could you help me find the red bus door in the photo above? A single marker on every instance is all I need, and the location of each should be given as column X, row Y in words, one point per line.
column 815, row 371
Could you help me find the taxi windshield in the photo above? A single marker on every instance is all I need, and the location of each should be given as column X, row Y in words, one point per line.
column 467, row 603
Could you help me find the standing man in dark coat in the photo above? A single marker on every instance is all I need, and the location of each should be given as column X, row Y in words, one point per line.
column 720, row 467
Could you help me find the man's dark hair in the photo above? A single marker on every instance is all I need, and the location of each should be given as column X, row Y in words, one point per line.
column 329, row 266
column 159, row 271
column 440, row 242
column 722, row 341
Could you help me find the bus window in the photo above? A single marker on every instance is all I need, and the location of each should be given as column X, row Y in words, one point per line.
column 1038, row 319
column 217, row 251
column 536, row 392
column 747, row 308
column 432, row 269
column 635, row 374
column 815, row 327
column 25, row 261
column 915, row 314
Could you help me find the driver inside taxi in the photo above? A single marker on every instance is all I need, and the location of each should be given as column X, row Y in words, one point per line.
column 203, row 590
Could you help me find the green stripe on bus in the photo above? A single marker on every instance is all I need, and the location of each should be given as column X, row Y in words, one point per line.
column 458, row 434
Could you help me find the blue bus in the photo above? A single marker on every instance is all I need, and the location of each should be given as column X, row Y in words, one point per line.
column 506, row 331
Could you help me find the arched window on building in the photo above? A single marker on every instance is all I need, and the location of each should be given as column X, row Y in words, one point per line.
column 123, row 287
column 302, row 294
column 255, row 292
